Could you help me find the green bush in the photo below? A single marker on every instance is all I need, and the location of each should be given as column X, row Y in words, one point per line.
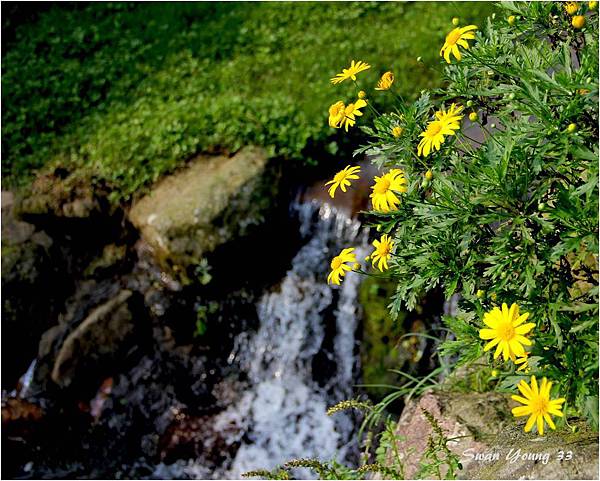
column 129, row 91
column 510, row 211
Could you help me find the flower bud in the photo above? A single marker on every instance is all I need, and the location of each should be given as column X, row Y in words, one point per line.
column 469, row 103
column 397, row 131
column 578, row 22
column 455, row 21
column 511, row 20
column 492, row 126
column 429, row 175
column 362, row 94
column 494, row 373
column 473, row 117
column 571, row 128
column 593, row 5
column 480, row 293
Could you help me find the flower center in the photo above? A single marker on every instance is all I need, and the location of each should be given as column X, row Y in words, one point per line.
column 506, row 331
column 453, row 37
column 337, row 108
column 382, row 186
column 349, row 109
column 540, row 405
column 384, row 249
column 336, row 263
column 434, row 128
column 339, row 177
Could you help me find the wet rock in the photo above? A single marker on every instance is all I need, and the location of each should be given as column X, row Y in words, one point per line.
column 112, row 256
column 213, row 201
column 196, row 436
column 101, row 327
column 15, row 411
column 486, row 438
column 27, row 290
column 104, row 336
column 22, row 424
column 76, row 212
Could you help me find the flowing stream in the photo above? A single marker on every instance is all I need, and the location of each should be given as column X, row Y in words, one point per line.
column 301, row 360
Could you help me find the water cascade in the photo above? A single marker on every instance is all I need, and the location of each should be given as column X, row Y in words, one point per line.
column 302, row 358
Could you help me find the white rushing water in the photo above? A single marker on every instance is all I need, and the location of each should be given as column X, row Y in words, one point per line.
column 285, row 409
column 282, row 414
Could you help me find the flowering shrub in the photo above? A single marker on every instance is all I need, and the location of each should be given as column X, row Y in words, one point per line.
column 489, row 190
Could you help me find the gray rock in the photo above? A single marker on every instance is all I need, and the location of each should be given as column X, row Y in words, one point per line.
column 216, row 199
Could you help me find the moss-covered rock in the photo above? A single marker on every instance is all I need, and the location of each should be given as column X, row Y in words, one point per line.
column 60, row 194
column 490, row 443
column 112, row 255
column 216, row 199
column 383, row 346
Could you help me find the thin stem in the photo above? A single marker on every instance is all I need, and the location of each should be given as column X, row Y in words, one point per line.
column 399, row 98
column 368, row 102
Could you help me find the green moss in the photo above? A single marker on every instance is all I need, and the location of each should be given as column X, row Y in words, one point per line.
column 111, row 255
column 130, row 91
column 380, row 336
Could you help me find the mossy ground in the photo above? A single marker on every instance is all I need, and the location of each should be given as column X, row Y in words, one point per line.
column 129, row 91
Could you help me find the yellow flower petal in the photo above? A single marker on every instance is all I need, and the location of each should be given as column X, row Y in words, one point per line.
column 530, row 423
column 521, row 411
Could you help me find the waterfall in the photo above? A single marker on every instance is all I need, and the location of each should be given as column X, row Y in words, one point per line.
column 285, row 409
column 305, row 327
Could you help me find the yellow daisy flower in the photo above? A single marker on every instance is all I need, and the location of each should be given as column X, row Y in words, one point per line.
column 507, row 331
column 524, row 362
column 456, row 37
column 351, row 112
column 385, row 82
column 433, row 137
column 355, row 67
column 397, row 131
column 383, row 197
column 571, row 7
column 382, row 252
column 451, row 116
column 342, row 179
column 537, row 404
column 336, row 114
column 339, row 266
